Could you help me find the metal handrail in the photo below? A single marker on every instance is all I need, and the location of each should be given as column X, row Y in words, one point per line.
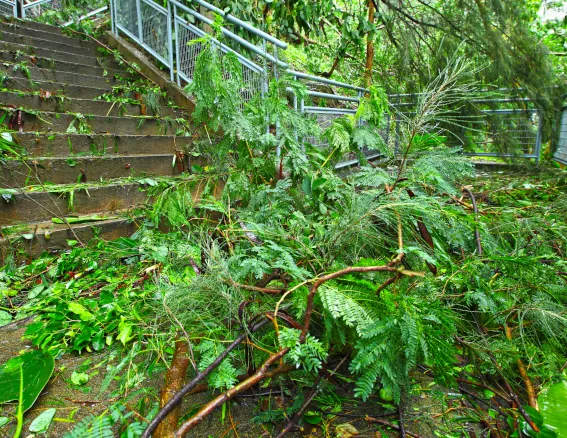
column 86, row 16
column 242, row 24
column 181, row 59
column 326, row 81
column 25, row 7
column 230, row 34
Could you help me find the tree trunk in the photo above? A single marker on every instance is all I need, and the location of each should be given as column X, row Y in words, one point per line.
column 369, row 46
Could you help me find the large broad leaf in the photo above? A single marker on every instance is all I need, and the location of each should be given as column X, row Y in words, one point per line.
column 37, row 367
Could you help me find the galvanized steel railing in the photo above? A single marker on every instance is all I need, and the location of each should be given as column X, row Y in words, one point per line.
column 24, row 8
column 561, row 151
column 9, row 8
column 169, row 34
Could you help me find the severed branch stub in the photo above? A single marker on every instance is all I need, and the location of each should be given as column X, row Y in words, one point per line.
column 174, row 380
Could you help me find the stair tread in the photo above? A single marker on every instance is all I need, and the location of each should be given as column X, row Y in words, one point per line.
column 70, row 64
column 16, row 28
column 88, row 116
column 48, row 70
column 49, row 44
column 40, row 227
column 107, row 156
column 26, row 49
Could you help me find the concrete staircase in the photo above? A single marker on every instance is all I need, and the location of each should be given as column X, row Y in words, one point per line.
column 89, row 139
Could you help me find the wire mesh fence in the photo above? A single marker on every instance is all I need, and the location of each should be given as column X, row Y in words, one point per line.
column 8, row 8
column 34, row 9
column 190, row 45
column 561, row 151
column 502, row 127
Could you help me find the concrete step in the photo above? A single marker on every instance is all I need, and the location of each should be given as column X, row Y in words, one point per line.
column 29, row 24
column 63, row 145
column 45, row 52
column 14, row 173
column 36, row 206
column 16, row 28
column 75, row 48
column 61, row 123
column 84, row 106
column 47, row 236
column 56, row 88
column 59, row 65
column 30, row 74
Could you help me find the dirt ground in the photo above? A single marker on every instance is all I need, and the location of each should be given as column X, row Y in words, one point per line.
column 73, row 403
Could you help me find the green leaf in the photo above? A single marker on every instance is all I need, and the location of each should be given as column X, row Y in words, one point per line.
column 42, row 421
column 80, row 310
column 98, row 341
column 4, row 421
column 307, row 186
column 318, row 183
column 535, row 415
column 312, row 417
column 5, row 318
column 124, row 332
column 79, row 379
column 37, row 367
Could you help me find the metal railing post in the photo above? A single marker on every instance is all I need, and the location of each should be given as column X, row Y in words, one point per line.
column 15, row 9
column 176, row 26
column 170, row 44
column 23, row 9
column 140, row 25
column 278, row 147
column 112, row 17
column 538, row 137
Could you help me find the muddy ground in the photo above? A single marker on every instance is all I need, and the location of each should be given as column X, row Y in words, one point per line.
column 74, row 403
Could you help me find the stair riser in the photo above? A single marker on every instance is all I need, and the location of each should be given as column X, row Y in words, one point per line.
column 63, row 145
column 106, row 198
column 52, row 64
column 29, row 24
column 76, row 91
column 58, row 238
column 58, row 55
column 47, row 36
column 97, row 124
column 58, row 171
column 46, row 75
column 94, row 107
column 52, row 45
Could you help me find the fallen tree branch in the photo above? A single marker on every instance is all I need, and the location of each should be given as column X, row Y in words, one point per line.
column 174, row 380
column 223, row 398
column 532, row 399
column 388, row 424
column 265, row 290
column 476, row 231
column 340, row 273
column 176, row 399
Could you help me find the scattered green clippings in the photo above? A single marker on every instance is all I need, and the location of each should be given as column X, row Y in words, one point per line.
column 79, row 379
column 81, row 220
column 42, row 422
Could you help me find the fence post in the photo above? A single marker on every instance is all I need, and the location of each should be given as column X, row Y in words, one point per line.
column 176, row 29
column 170, row 43
column 140, row 25
column 278, row 147
column 112, row 17
column 23, row 10
column 538, row 137
column 397, row 133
